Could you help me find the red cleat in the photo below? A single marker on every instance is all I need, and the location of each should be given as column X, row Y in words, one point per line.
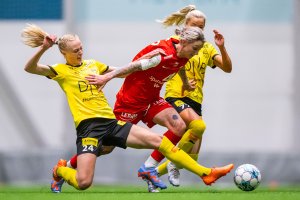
column 216, row 173
column 60, row 163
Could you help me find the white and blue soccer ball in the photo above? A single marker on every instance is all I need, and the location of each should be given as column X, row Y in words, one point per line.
column 247, row 177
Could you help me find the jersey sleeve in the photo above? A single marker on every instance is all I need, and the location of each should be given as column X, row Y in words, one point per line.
column 101, row 67
column 58, row 70
column 213, row 52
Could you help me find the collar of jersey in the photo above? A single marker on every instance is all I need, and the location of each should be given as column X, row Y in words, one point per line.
column 76, row 65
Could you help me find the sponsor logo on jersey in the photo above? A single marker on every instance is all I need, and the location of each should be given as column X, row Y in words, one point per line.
column 176, row 64
column 153, row 79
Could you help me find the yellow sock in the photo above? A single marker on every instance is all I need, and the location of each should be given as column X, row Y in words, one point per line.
column 69, row 175
column 194, row 156
column 180, row 158
column 187, row 141
column 195, row 131
column 162, row 169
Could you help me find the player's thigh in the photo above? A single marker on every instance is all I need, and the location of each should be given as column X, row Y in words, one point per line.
column 142, row 138
column 170, row 119
column 189, row 115
column 188, row 109
column 86, row 166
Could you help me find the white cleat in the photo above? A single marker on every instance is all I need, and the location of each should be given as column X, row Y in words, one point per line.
column 173, row 174
column 151, row 187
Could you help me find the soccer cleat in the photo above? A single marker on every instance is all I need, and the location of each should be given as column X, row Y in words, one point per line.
column 216, row 173
column 173, row 174
column 60, row 163
column 151, row 174
column 151, row 187
column 56, row 186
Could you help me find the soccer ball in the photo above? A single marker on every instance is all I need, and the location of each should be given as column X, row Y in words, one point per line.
column 247, row 177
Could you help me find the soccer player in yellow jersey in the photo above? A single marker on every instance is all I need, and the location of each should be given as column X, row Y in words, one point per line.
column 95, row 121
column 189, row 103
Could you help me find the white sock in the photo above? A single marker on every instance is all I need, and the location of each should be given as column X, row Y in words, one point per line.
column 69, row 164
column 150, row 162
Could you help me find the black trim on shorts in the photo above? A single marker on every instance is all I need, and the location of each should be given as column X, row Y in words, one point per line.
column 197, row 107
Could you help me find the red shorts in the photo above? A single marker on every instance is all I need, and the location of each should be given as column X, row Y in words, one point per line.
column 124, row 113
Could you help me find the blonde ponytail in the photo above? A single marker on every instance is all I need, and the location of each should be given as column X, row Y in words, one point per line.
column 33, row 35
column 177, row 18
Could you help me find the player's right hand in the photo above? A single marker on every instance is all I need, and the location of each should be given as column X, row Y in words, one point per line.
column 191, row 86
column 49, row 41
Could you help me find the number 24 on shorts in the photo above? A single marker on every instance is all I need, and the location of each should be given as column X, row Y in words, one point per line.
column 89, row 143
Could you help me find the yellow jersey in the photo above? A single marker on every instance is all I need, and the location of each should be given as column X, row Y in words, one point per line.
column 84, row 100
column 195, row 69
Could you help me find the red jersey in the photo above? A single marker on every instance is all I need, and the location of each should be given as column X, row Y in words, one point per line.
column 143, row 87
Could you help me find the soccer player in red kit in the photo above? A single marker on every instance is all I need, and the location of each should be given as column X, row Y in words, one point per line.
column 139, row 97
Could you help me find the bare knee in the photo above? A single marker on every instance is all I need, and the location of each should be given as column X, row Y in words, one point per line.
column 155, row 141
column 84, row 182
column 179, row 127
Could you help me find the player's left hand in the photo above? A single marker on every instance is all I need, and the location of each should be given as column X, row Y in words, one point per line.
column 98, row 80
column 219, row 39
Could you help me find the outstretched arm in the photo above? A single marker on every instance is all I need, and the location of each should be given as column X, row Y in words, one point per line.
column 149, row 55
column 223, row 61
column 143, row 64
column 32, row 65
